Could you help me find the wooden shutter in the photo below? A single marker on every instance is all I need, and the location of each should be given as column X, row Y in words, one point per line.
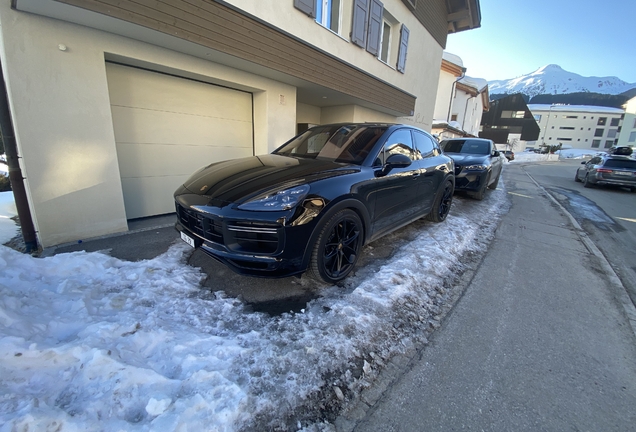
column 404, row 44
column 375, row 27
column 360, row 22
column 306, row 6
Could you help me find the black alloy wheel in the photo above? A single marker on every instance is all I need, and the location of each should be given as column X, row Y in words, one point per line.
column 443, row 201
column 337, row 248
column 481, row 192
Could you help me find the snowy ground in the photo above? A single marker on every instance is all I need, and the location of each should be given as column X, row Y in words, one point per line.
column 90, row 342
column 8, row 228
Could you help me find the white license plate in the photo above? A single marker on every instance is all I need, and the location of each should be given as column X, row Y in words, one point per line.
column 186, row 238
column 623, row 173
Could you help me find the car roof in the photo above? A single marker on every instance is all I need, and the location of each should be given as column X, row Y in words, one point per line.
column 467, row 138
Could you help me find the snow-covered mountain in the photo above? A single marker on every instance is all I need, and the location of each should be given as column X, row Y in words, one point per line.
column 552, row 79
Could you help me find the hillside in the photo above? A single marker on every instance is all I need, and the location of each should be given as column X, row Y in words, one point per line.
column 554, row 80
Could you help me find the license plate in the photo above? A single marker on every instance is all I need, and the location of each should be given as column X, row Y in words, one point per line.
column 186, row 238
column 623, row 173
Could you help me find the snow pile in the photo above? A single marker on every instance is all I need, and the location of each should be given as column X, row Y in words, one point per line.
column 576, row 153
column 533, row 157
column 8, row 228
column 90, row 342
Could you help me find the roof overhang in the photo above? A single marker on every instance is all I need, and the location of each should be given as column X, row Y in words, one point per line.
column 463, row 15
column 452, row 68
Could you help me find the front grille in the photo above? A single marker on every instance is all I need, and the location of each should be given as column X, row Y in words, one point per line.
column 205, row 226
column 240, row 236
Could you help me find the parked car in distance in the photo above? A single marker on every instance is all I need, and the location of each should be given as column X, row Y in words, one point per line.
column 608, row 169
column 477, row 164
column 509, row 154
column 315, row 201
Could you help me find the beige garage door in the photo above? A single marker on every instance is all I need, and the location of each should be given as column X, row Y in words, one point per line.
column 168, row 127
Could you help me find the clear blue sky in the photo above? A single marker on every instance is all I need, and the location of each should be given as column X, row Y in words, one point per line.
column 517, row 37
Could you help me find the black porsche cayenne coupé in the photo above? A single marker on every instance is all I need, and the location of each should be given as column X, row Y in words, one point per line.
column 314, row 202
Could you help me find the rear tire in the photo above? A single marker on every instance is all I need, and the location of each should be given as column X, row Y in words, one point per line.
column 442, row 204
column 337, row 248
column 576, row 177
column 586, row 182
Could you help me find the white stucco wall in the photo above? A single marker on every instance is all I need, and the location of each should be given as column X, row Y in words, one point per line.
column 62, row 119
column 444, row 95
column 423, row 59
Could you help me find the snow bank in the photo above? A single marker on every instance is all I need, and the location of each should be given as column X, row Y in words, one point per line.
column 90, row 342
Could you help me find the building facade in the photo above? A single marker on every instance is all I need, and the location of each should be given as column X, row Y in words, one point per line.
column 460, row 102
column 627, row 136
column 509, row 123
column 115, row 103
column 577, row 126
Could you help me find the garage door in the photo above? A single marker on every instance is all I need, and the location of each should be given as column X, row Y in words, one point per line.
column 168, row 127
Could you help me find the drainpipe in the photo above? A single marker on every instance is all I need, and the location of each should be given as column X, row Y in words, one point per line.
column 450, row 102
column 15, row 173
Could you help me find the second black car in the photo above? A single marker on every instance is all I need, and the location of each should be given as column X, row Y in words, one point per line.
column 477, row 164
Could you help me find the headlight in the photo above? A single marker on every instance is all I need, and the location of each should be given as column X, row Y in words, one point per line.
column 277, row 201
column 475, row 167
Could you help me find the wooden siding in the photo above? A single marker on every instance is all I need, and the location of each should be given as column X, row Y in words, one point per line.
column 433, row 15
column 218, row 27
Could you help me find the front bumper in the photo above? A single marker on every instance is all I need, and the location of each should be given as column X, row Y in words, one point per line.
column 469, row 180
column 251, row 243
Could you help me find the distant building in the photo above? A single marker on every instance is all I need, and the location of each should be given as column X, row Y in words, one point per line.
column 578, row 126
column 460, row 100
column 627, row 136
column 509, row 123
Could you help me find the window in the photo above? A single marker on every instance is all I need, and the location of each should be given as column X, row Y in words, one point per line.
column 609, row 143
column 424, row 145
column 513, row 114
column 596, row 143
column 632, row 137
column 453, row 117
column 570, row 116
column 634, row 126
column 564, row 139
column 567, row 127
column 602, row 121
column 387, row 45
column 328, row 13
column 598, row 132
column 400, row 142
column 615, row 121
column 612, row 133
column 537, row 117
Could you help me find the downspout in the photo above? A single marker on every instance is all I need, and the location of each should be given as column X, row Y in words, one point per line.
column 450, row 102
column 15, row 173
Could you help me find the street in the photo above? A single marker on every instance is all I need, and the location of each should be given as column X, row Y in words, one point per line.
column 539, row 341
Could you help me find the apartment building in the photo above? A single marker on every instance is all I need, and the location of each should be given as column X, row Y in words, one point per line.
column 115, row 103
column 627, row 136
column 577, row 126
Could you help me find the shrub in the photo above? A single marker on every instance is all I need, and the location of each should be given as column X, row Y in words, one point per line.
column 5, row 184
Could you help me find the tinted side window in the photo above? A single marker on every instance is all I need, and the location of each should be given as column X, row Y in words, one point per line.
column 399, row 142
column 424, row 145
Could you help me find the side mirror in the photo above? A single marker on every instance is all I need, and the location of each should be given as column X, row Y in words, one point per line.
column 583, row 163
column 496, row 153
column 398, row 161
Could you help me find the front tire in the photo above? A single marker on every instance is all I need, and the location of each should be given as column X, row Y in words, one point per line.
column 442, row 204
column 337, row 248
column 494, row 184
column 576, row 177
column 479, row 195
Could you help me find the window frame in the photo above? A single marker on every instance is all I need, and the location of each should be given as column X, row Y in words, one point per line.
column 324, row 14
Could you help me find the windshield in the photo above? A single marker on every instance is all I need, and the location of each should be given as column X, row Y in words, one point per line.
column 465, row 146
column 338, row 143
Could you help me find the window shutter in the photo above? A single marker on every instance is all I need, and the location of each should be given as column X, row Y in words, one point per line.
column 360, row 22
column 404, row 43
column 306, row 6
column 375, row 27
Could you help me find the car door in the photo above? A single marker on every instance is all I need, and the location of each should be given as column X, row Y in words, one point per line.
column 395, row 190
column 433, row 169
column 495, row 162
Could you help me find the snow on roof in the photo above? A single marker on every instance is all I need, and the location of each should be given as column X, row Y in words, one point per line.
column 575, row 108
column 478, row 84
column 455, row 59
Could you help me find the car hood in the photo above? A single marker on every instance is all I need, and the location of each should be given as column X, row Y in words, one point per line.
column 238, row 179
column 468, row 159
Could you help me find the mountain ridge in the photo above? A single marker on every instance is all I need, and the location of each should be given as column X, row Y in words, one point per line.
column 553, row 79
